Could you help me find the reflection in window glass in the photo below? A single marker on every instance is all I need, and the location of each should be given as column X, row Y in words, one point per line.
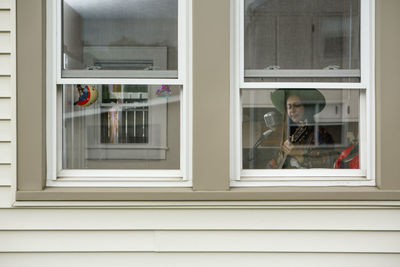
column 120, row 35
column 125, row 114
column 120, row 126
column 300, row 128
column 302, row 35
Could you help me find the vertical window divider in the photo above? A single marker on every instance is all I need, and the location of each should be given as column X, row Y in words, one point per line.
column 236, row 80
column 51, row 78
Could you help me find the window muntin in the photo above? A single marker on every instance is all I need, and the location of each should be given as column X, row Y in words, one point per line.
column 245, row 79
column 292, row 40
column 119, row 39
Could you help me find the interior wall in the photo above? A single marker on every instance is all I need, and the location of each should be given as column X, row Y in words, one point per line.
column 72, row 36
column 133, row 32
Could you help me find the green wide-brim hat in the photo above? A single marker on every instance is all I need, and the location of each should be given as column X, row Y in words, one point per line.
column 308, row 97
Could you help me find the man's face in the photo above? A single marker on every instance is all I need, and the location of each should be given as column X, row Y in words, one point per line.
column 295, row 108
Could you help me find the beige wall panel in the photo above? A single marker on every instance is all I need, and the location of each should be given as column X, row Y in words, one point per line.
column 388, row 93
column 204, row 241
column 5, row 108
column 5, row 64
column 198, row 259
column 5, row 4
column 5, row 153
column 273, row 218
column 5, row 42
column 30, row 97
column 5, row 20
column 5, row 200
column 5, row 175
column 5, row 130
column 211, row 95
column 5, row 86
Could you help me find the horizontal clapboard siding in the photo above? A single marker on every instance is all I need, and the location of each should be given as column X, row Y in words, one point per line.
column 5, row 86
column 5, row 20
column 199, row 260
column 201, row 241
column 5, row 42
column 119, row 218
column 335, row 230
column 5, row 197
column 6, row 153
column 5, row 108
column 5, row 64
column 5, row 174
column 5, row 4
column 5, row 130
column 7, row 102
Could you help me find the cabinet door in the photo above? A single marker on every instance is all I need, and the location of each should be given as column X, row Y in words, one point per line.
column 260, row 42
column 295, row 42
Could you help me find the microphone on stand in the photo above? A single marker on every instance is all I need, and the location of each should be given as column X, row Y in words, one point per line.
column 270, row 122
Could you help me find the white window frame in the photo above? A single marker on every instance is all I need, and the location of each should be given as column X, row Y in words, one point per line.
column 365, row 176
column 58, row 177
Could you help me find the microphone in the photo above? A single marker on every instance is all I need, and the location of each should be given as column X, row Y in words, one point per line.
column 270, row 122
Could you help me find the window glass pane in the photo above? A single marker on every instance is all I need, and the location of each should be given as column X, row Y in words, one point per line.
column 100, row 35
column 321, row 35
column 300, row 128
column 120, row 126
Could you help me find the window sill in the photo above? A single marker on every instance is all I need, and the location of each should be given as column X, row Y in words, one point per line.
column 234, row 194
column 212, row 204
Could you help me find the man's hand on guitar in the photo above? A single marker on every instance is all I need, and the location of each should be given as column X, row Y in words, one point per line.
column 290, row 149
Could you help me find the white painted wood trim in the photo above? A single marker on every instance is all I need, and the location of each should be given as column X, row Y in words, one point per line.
column 317, row 85
column 117, row 182
column 370, row 156
column 186, row 129
column 169, row 74
column 53, row 27
column 168, row 178
column 235, row 154
column 301, row 73
column 311, row 177
column 119, row 81
column 251, row 207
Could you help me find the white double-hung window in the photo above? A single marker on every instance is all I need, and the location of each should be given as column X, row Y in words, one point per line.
column 302, row 93
column 118, row 93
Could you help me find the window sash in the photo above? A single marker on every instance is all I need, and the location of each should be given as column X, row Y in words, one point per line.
column 310, row 177
column 275, row 71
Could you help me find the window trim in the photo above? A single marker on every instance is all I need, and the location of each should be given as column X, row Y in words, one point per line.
column 310, row 177
column 55, row 176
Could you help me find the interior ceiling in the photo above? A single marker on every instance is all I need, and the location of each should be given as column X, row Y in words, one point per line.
column 113, row 9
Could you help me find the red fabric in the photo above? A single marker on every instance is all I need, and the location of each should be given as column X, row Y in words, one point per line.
column 352, row 164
